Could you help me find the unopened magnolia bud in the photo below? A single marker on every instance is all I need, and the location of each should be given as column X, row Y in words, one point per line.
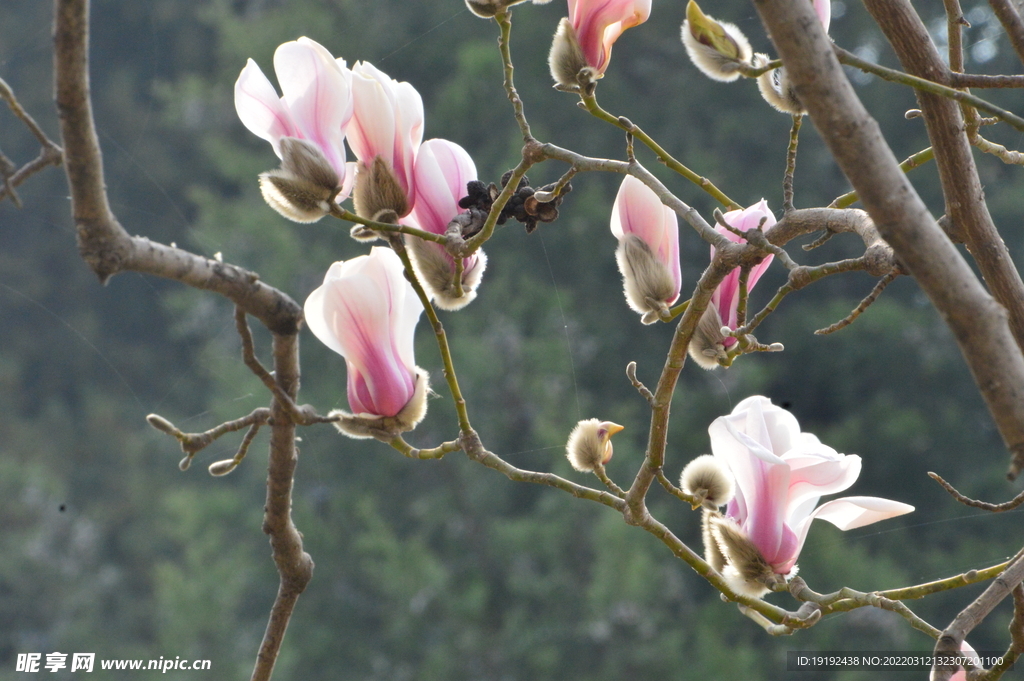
column 707, row 344
column 647, row 282
column 436, row 271
column 776, row 88
column 718, row 49
column 566, row 60
column 590, row 445
column 746, row 570
column 378, row 195
column 386, row 428
column 161, row 424
column 224, row 467
column 708, row 479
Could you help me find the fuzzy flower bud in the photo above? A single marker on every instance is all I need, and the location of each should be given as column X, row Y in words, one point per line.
column 709, row 480
column 648, row 252
column 717, row 48
column 302, row 188
column 777, row 90
column 590, row 444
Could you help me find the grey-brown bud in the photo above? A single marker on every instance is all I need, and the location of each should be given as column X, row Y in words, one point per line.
column 566, row 60
column 707, row 344
column 777, row 90
column 709, row 480
column 437, row 273
column 646, row 280
column 378, row 195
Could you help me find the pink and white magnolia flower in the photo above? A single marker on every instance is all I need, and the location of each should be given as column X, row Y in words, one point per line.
column 824, row 10
column 385, row 135
column 441, row 174
column 367, row 311
column 648, row 252
column 781, row 474
column 709, row 344
column 316, row 104
column 584, row 40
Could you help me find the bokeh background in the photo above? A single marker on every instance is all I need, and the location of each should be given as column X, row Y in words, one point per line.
column 444, row 570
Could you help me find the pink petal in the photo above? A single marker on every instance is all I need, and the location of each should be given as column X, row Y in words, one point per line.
column 824, row 10
column 850, row 513
column 372, row 130
column 638, row 210
column 317, row 93
column 260, row 109
column 442, row 171
column 599, row 23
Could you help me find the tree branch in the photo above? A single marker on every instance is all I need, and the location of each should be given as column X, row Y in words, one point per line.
column 978, row 322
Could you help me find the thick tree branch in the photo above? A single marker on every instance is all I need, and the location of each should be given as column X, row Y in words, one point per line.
column 978, row 322
column 1010, row 18
column 965, row 198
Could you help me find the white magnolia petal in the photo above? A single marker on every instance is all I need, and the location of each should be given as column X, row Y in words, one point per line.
column 260, row 108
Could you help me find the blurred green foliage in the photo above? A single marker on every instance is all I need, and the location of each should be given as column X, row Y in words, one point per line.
column 444, row 570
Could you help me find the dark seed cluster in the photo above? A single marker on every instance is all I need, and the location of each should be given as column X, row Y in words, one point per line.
column 523, row 206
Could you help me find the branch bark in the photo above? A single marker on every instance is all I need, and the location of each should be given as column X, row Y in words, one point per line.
column 961, row 186
column 978, row 322
column 108, row 249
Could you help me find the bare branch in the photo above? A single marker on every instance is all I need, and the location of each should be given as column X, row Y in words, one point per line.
column 640, row 387
column 192, row 443
column 967, row 501
column 864, row 304
column 954, row 634
column 1010, row 18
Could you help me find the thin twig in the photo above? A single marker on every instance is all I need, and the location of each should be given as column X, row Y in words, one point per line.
column 978, row 80
column 191, row 443
column 1008, row 156
column 787, row 180
column 693, row 501
column 591, row 105
column 433, row 453
column 864, row 304
column 640, row 387
column 984, row 505
column 892, row 75
column 913, row 161
column 504, row 19
column 602, row 475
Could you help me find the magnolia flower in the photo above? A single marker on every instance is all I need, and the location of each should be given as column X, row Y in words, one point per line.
column 968, row 653
column 385, row 134
column 367, row 311
column 709, row 344
column 719, row 49
column 780, row 476
column 583, row 42
column 306, row 126
column 648, row 252
column 442, row 171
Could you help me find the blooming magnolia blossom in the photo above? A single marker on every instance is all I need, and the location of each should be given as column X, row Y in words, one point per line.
column 709, row 344
column 442, row 171
column 781, row 474
column 385, row 134
column 315, row 107
column 648, row 252
column 367, row 311
column 583, row 42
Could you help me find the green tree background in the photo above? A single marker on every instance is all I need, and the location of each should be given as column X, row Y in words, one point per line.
column 444, row 570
